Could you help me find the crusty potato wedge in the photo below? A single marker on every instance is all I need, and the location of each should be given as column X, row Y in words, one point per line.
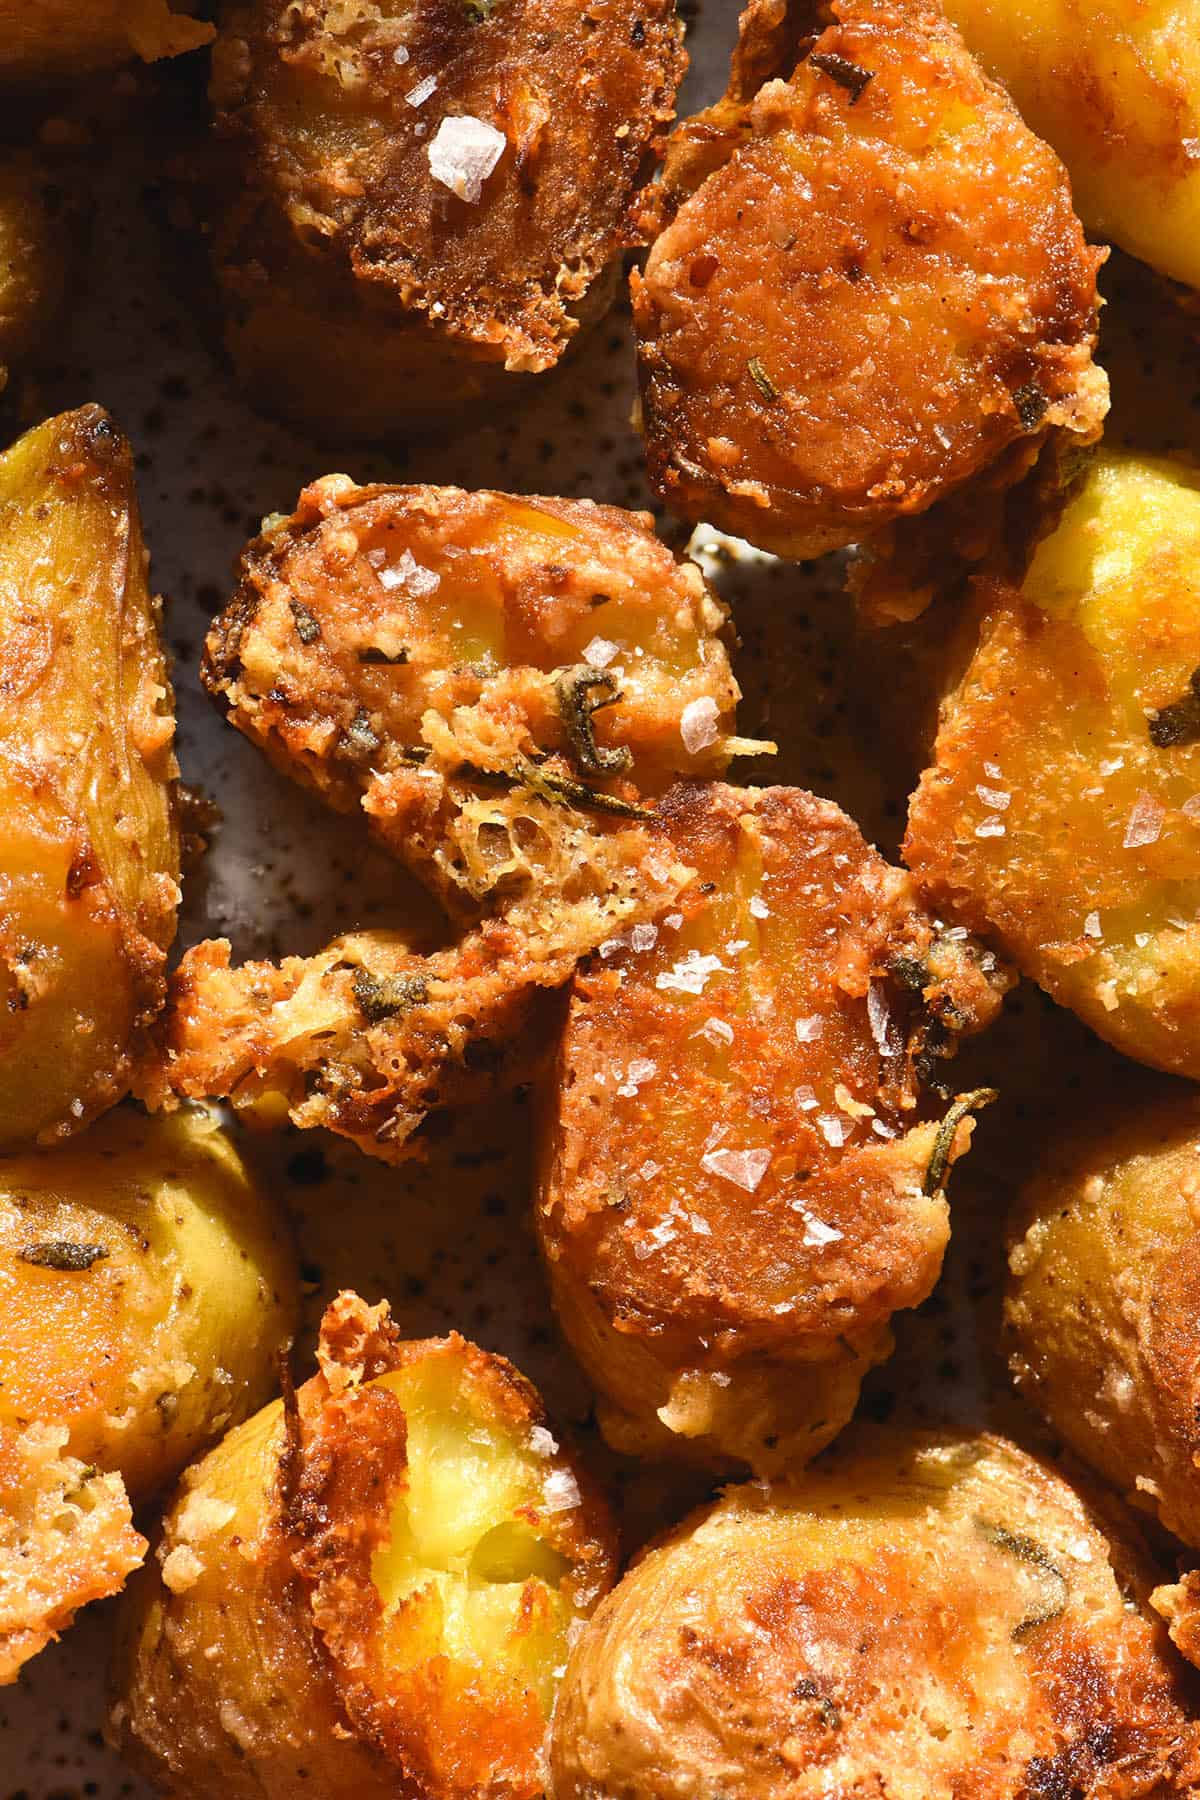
column 33, row 259
column 418, row 204
column 1114, row 85
column 742, row 1167
column 1060, row 814
column 52, row 41
column 923, row 1616
column 869, row 288
column 89, row 860
column 368, row 1592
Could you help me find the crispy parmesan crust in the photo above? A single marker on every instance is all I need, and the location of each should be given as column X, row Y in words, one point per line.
column 931, row 300
column 335, row 239
column 260, row 1655
column 727, row 1234
column 66, row 1537
column 924, row 1619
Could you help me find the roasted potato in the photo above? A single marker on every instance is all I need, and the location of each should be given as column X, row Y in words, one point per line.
column 89, row 859
column 146, row 1285
column 870, row 285
column 369, row 1592
column 923, row 1617
column 419, row 198
column 1114, row 85
column 52, row 41
column 1102, row 1318
column 33, row 259
column 1061, row 812
column 742, row 1176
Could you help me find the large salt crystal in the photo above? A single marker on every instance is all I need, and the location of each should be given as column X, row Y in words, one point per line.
column 745, row 1168
column 832, row 1129
column 699, row 725
column 560, row 1491
column 417, row 96
column 644, row 937
column 817, row 1234
column 1145, row 822
column 600, row 652
column 716, row 1031
column 542, row 1442
column 879, row 1017
column 809, row 1030
column 410, row 574
column 690, row 975
column 463, row 154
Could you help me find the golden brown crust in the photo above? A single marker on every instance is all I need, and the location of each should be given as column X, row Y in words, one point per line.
column 331, row 212
column 45, row 41
column 929, row 299
column 736, row 1158
column 923, row 1618
column 266, row 1620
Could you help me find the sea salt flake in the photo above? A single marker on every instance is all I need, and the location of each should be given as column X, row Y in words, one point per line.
column 1191, row 808
column 1091, row 926
column 992, row 771
column 832, row 1129
column 990, row 827
column 649, row 1169
column 642, row 1069
column 463, row 154
column 809, row 1030
column 997, row 798
column 1111, row 765
column 408, row 573
column 745, row 1168
column 542, row 1442
column 560, row 1491
column 700, row 1226
column 611, row 945
column 699, row 725
column 879, row 1017
column 760, row 910
column 673, row 921
column 400, row 55
column 883, row 1130
column 643, row 937
column 417, row 96
column 806, row 1099
column 716, row 1031
column 736, row 945
column 1145, row 822
column 816, row 1233
column 689, row 976
column 600, row 652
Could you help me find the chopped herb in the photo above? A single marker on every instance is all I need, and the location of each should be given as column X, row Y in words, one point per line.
column 373, row 654
column 479, row 10
column 557, row 788
column 1028, row 1550
column 1178, row 723
column 573, row 688
column 761, row 379
column 807, row 1689
column 939, row 1162
column 59, row 1253
column 308, row 629
column 359, row 740
column 910, row 973
column 381, row 997
column 167, row 1406
column 1031, row 405
column 850, row 75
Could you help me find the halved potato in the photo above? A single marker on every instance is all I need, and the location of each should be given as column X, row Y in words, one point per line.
column 369, row 1592
column 742, row 1165
column 89, row 858
column 869, row 286
column 52, row 41
column 1060, row 815
column 924, row 1616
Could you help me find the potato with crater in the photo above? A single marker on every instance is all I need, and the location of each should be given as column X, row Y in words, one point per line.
column 418, row 202
column 147, row 1286
column 369, row 1589
column 868, row 289
column 1060, row 813
column 48, row 42
column 744, row 1153
column 924, row 1616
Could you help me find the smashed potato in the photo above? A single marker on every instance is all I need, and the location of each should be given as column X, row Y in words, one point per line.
column 741, row 1179
column 870, row 285
column 1114, row 85
column 370, row 1592
column 59, row 40
column 420, row 198
column 89, row 862
column 1104, row 1299
column 1061, row 813
column 146, row 1286
column 33, row 260
column 923, row 1617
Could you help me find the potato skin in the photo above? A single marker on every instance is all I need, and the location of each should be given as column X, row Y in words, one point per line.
column 339, row 254
column 927, row 1617
column 865, row 291
column 89, row 866
column 147, row 1286
column 49, row 41
column 254, row 1654
column 726, row 1232
column 1115, row 87
column 33, row 259
column 1059, row 815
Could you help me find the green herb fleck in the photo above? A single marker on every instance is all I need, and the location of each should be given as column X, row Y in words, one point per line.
column 850, row 75
column 308, row 628
column 480, row 10
column 1178, row 723
column 761, row 379
column 359, row 740
column 939, row 1162
column 574, row 688
column 560, row 790
column 373, row 654
column 381, row 997
column 807, row 1689
column 61, row 1254
column 1031, row 405
column 910, row 973
column 1028, row 1550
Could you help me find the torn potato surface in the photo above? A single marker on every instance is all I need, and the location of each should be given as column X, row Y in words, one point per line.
column 1060, row 815
column 742, row 1172
column 46, row 42
column 374, row 1594
column 146, row 1286
column 923, row 1616
column 421, row 197
column 869, row 285
column 89, row 863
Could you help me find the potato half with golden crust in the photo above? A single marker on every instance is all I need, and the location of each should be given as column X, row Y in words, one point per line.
column 89, row 862
column 923, row 1617
column 1114, row 85
column 33, row 259
column 741, row 1178
column 423, row 196
column 146, row 1286
column 1061, row 812
column 869, row 286
column 496, row 682
column 370, row 1594
column 51, row 41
